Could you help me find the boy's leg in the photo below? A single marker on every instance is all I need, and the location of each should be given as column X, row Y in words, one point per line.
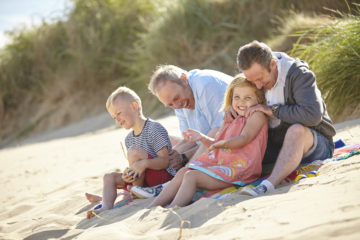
column 110, row 183
column 135, row 154
column 170, row 190
column 93, row 198
column 195, row 179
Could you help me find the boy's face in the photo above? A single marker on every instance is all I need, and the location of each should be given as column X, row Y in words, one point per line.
column 123, row 112
column 175, row 95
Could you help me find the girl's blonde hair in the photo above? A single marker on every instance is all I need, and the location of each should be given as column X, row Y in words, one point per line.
column 240, row 81
column 125, row 92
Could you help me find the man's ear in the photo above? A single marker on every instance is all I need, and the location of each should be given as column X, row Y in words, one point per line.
column 184, row 79
column 273, row 64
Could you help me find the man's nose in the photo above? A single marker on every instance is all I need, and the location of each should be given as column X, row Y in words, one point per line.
column 259, row 85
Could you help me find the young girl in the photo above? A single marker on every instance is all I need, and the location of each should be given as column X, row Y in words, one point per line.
column 148, row 146
column 234, row 157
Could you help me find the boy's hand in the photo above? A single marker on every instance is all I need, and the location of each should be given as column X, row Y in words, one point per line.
column 129, row 175
column 191, row 135
column 219, row 144
column 138, row 168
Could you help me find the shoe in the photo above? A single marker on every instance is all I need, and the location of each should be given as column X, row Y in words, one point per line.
column 146, row 192
column 260, row 189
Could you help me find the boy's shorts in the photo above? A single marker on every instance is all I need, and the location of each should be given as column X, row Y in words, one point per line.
column 156, row 177
column 320, row 150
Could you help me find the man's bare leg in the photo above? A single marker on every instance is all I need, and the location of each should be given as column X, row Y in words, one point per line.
column 298, row 140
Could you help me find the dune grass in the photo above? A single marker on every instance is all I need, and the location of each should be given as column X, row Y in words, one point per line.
column 333, row 52
column 63, row 71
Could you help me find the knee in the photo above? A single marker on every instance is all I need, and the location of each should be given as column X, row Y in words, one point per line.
column 136, row 153
column 109, row 177
column 190, row 175
column 297, row 130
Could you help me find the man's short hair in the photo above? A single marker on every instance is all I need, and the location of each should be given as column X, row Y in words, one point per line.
column 164, row 73
column 125, row 93
column 254, row 52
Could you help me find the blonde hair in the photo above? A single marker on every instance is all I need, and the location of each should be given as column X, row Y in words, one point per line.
column 240, row 81
column 164, row 73
column 126, row 93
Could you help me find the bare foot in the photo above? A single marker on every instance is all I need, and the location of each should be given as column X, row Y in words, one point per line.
column 93, row 198
column 93, row 213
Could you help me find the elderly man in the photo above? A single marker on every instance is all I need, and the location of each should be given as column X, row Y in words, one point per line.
column 300, row 129
column 197, row 97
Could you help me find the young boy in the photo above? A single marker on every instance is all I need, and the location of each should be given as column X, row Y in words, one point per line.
column 148, row 146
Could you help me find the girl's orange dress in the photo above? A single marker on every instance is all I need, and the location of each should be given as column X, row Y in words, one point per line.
column 237, row 166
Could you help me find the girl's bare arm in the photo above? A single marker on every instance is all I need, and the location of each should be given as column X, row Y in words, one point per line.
column 252, row 127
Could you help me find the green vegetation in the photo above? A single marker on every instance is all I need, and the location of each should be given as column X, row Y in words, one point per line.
column 63, row 71
column 333, row 52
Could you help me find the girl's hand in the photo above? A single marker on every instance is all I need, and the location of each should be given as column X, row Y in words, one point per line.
column 192, row 135
column 219, row 144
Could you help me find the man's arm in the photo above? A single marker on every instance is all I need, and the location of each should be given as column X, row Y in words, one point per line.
column 308, row 106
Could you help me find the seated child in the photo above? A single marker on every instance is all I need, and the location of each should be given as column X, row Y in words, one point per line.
column 234, row 157
column 147, row 145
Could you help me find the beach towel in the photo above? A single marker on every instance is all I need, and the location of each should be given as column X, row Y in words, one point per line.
column 302, row 172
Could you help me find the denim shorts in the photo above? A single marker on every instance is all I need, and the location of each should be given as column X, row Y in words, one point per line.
column 321, row 149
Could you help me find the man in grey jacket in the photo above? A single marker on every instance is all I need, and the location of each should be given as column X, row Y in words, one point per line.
column 300, row 129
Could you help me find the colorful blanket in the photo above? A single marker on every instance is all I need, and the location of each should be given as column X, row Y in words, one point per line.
column 302, row 172
column 305, row 171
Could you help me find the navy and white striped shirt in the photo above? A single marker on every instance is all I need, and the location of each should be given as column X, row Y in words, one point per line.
column 152, row 139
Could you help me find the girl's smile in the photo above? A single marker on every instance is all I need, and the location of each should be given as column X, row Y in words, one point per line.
column 243, row 98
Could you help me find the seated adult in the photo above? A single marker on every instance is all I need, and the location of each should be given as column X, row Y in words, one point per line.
column 300, row 129
column 197, row 97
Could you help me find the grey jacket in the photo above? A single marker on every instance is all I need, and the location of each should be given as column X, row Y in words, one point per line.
column 303, row 102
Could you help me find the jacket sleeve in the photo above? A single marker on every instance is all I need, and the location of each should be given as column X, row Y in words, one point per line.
column 303, row 103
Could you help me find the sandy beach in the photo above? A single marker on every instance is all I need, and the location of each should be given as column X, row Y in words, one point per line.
column 43, row 185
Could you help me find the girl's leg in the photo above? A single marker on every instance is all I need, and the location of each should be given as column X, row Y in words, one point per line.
column 191, row 180
column 170, row 190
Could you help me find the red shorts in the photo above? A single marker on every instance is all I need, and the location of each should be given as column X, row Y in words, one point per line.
column 156, row 177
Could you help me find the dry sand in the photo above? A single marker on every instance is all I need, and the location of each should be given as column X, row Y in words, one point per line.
column 43, row 185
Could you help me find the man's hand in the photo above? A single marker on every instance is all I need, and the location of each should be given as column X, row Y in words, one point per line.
column 259, row 108
column 230, row 115
column 191, row 135
column 175, row 160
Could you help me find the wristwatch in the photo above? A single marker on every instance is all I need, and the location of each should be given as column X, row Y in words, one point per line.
column 185, row 160
column 274, row 108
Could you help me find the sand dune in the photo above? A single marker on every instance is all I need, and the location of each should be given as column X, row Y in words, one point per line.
column 43, row 187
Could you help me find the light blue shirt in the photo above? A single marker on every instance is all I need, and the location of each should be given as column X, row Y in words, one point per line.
column 209, row 88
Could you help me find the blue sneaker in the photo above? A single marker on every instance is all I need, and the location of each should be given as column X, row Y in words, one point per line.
column 147, row 192
column 264, row 187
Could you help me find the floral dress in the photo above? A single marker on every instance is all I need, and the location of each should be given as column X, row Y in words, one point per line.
column 237, row 166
